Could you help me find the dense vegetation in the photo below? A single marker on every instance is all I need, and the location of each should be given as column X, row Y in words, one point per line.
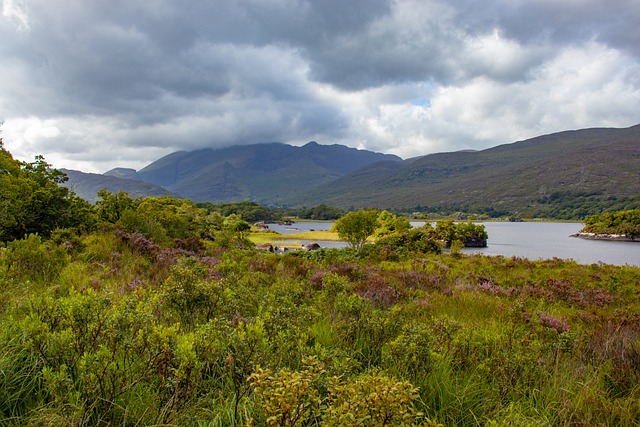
column 321, row 212
column 248, row 211
column 31, row 199
column 253, row 212
column 624, row 223
column 358, row 227
column 158, row 312
column 116, row 328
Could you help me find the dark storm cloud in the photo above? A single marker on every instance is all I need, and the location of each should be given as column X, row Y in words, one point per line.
column 88, row 82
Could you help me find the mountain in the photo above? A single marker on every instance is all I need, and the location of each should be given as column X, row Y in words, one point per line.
column 265, row 173
column 575, row 171
column 87, row 185
column 124, row 173
column 567, row 175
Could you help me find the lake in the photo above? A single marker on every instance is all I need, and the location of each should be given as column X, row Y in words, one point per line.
column 532, row 240
column 543, row 240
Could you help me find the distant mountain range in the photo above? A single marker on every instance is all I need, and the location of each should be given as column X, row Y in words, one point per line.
column 568, row 174
column 264, row 173
column 87, row 185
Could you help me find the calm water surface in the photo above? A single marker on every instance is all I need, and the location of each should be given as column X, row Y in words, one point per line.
column 532, row 240
column 543, row 240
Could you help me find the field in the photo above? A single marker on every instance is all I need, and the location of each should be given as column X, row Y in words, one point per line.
column 293, row 240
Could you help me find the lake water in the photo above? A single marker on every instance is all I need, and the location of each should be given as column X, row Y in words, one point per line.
column 532, row 240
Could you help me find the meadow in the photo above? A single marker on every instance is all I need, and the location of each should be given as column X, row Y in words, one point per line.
column 115, row 327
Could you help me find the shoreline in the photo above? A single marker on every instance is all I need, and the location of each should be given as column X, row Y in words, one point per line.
column 606, row 237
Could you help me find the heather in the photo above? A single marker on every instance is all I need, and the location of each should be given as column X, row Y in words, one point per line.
column 140, row 323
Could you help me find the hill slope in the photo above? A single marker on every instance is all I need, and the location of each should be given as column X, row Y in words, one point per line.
column 543, row 176
column 265, row 173
column 569, row 175
column 87, row 185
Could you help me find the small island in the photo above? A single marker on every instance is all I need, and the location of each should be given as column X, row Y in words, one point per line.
column 619, row 226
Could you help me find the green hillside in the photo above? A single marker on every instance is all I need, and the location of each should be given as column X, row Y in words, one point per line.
column 265, row 173
column 87, row 185
column 569, row 174
column 565, row 175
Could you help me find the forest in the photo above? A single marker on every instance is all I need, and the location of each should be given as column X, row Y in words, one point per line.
column 158, row 312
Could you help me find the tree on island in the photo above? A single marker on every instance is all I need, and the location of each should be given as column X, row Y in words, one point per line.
column 623, row 223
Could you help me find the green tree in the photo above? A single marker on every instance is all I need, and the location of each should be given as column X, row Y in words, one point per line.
column 248, row 211
column 469, row 234
column 388, row 223
column 32, row 200
column 356, row 227
column 626, row 223
column 234, row 233
column 111, row 206
column 320, row 212
column 180, row 218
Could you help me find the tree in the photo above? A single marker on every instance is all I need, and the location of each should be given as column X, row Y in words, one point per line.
column 32, row 200
column 320, row 212
column 388, row 223
column 111, row 206
column 469, row 234
column 356, row 227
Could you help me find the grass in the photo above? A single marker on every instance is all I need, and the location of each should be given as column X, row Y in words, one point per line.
column 292, row 240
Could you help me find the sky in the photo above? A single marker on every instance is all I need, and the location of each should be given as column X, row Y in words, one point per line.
column 98, row 84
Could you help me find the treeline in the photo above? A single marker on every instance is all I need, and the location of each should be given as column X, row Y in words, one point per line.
column 557, row 205
column 248, row 211
column 253, row 212
column 566, row 205
column 624, row 223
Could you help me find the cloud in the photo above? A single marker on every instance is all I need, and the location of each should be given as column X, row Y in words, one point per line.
column 16, row 11
column 94, row 85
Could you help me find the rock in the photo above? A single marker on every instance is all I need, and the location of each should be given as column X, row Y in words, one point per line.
column 312, row 246
column 266, row 247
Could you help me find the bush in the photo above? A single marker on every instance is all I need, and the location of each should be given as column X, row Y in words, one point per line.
column 30, row 259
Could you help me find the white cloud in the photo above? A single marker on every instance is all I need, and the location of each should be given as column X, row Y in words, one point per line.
column 17, row 12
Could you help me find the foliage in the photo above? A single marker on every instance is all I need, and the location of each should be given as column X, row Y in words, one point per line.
column 623, row 223
column 29, row 259
column 111, row 207
column 416, row 240
column 388, row 223
column 468, row 233
column 321, row 212
column 248, row 211
column 33, row 202
column 288, row 398
column 297, row 398
column 580, row 205
column 371, row 400
column 357, row 227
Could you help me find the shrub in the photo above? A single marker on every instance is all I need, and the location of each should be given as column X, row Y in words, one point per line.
column 371, row 400
column 30, row 259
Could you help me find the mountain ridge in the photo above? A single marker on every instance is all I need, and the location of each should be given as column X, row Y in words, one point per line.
column 567, row 174
column 513, row 177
